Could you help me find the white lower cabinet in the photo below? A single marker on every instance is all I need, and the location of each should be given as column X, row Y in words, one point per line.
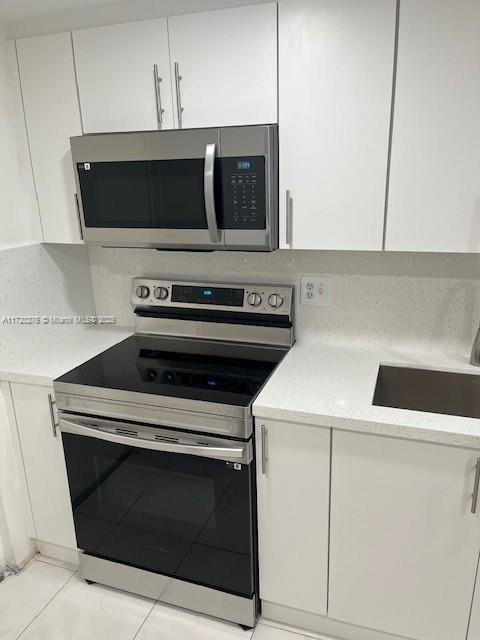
column 474, row 628
column 404, row 544
column 44, row 463
column 293, row 496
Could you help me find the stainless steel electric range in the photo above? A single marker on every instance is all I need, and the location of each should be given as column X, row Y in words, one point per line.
column 158, row 439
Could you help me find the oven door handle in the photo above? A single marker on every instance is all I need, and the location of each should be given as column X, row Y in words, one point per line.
column 209, row 191
column 241, row 454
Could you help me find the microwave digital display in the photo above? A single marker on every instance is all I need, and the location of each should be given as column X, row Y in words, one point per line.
column 243, row 164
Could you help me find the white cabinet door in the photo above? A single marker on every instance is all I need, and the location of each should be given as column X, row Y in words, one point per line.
column 44, row 466
column 117, row 84
column 227, row 61
column 434, row 193
column 474, row 628
column 52, row 114
column 335, row 87
column 403, row 544
column 293, row 499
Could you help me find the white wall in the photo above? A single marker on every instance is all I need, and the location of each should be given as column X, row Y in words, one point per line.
column 416, row 300
column 19, row 219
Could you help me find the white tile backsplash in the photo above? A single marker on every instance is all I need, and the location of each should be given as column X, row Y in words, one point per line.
column 416, row 299
column 43, row 279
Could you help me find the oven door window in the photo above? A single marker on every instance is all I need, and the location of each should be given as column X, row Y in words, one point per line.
column 179, row 515
column 156, row 194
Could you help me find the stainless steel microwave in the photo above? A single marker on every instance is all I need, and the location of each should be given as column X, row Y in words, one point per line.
column 190, row 189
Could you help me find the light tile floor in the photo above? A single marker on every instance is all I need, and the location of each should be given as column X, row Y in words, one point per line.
column 48, row 601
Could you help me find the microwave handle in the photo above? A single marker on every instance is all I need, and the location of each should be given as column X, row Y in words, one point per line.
column 209, row 184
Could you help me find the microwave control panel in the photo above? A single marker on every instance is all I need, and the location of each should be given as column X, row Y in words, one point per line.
column 243, row 186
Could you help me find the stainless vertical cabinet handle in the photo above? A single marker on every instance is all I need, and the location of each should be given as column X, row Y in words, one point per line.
column 289, row 218
column 51, row 402
column 209, row 192
column 158, row 97
column 475, row 486
column 77, row 207
column 178, row 77
column 263, row 431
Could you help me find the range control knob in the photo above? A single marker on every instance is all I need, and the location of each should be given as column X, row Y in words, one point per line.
column 160, row 293
column 254, row 299
column 275, row 300
column 142, row 291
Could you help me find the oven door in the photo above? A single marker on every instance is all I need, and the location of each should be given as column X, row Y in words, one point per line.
column 164, row 501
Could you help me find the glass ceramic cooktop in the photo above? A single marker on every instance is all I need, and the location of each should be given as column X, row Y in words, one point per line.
column 181, row 368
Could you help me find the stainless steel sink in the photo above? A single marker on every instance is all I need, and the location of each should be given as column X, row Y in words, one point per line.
column 453, row 394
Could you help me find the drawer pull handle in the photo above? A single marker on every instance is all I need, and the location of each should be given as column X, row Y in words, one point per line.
column 51, row 402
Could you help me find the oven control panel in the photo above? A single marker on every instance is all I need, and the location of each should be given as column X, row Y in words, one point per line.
column 246, row 298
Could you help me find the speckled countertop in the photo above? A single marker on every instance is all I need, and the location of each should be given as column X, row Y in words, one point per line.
column 332, row 385
column 328, row 385
column 39, row 354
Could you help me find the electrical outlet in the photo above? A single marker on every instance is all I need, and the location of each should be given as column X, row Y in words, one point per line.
column 315, row 290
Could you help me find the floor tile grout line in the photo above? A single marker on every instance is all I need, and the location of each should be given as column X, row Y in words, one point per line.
column 56, row 563
column 298, row 632
column 74, row 572
column 145, row 619
column 46, row 605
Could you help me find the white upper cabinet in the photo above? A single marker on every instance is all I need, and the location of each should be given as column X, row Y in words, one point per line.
column 293, row 484
column 52, row 114
column 434, row 194
column 224, row 66
column 404, row 544
column 123, row 74
column 336, row 62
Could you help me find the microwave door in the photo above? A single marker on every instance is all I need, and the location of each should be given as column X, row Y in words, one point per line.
column 184, row 203
column 162, row 194
column 153, row 203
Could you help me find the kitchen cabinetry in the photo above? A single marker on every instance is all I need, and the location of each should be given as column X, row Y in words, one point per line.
column 434, row 193
column 52, row 115
column 474, row 628
column 335, row 86
column 44, row 465
column 224, row 66
column 293, row 497
column 123, row 74
column 404, row 545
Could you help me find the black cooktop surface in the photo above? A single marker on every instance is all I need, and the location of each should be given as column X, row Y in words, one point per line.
column 182, row 368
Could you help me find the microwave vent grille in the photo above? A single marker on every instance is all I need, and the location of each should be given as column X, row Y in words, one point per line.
column 131, row 433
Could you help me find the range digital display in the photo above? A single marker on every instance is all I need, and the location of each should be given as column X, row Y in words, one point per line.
column 208, row 295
